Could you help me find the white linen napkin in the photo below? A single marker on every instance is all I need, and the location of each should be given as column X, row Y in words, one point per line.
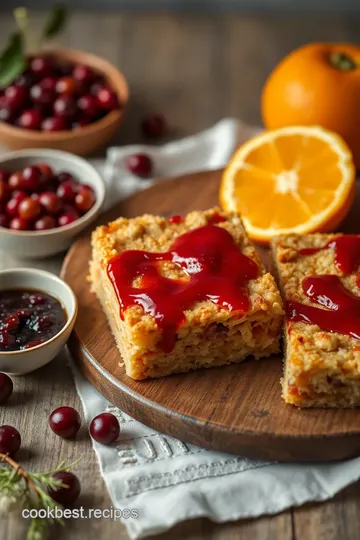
column 162, row 480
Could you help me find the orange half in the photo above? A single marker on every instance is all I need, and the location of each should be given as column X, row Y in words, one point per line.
column 298, row 179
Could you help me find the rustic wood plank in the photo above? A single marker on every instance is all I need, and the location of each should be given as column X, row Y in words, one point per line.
column 196, row 69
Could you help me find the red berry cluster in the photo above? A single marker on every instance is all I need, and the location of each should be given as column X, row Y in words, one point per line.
column 50, row 96
column 37, row 198
column 65, row 422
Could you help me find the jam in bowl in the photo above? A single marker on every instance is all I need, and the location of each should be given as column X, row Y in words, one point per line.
column 37, row 314
column 28, row 318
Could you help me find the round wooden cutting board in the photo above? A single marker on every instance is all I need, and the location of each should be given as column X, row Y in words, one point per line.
column 235, row 408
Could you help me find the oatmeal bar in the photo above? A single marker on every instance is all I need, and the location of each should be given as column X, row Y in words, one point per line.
column 184, row 293
column 318, row 277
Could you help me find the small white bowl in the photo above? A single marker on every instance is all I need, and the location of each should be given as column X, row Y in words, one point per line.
column 35, row 244
column 25, row 361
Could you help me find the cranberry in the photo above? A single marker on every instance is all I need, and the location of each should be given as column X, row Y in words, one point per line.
column 41, row 66
column 4, row 175
column 154, row 126
column 4, row 191
column 30, row 178
column 105, row 428
column 95, row 87
column 83, row 74
column 88, row 105
column 107, row 98
column 54, row 123
column 4, row 220
column 19, row 224
column 48, row 83
column 11, row 323
column 35, row 197
column 67, row 85
column 51, row 202
column 15, row 181
column 139, row 164
column 175, row 219
column 6, row 388
column 65, row 106
column 65, row 69
column 6, row 339
column 30, row 119
column 45, row 169
column 18, row 195
column 16, row 96
column 84, row 200
column 12, row 207
column 26, row 79
column 64, row 177
column 7, row 114
column 81, row 122
column 67, row 191
column 44, row 223
column 10, row 440
column 29, row 209
column 67, row 218
column 65, row 422
column 65, row 495
column 37, row 299
column 41, row 96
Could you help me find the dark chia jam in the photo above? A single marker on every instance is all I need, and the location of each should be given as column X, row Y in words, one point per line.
column 28, row 318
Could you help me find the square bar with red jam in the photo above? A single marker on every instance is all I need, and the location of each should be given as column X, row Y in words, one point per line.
column 184, row 293
column 320, row 283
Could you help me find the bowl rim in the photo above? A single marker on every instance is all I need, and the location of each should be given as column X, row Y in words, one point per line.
column 71, row 317
column 110, row 70
column 42, row 153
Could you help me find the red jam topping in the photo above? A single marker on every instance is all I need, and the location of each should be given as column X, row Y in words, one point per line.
column 347, row 252
column 215, row 270
column 216, row 218
column 176, row 219
column 342, row 313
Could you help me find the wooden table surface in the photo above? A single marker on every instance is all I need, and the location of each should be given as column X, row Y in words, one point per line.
column 196, row 70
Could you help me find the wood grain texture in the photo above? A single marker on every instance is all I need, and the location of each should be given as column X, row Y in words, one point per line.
column 196, row 70
column 245, row 414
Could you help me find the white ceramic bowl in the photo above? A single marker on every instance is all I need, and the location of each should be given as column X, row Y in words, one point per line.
column 44, row 243
column 25, row 361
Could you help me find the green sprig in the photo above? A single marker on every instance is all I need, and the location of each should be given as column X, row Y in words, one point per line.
column 22, row 489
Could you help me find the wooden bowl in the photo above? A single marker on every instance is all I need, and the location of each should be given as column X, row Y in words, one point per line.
column 86, row 139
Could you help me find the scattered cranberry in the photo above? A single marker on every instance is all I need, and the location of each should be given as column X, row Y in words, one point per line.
column 65, row 422
column 139, row 164
column 107, row 98
column 41, row 66
column 29, row 209
column 67, row 85
column 105, row 428
column 10, row 440
column 19, row 224
column 67, row 218
column 65, row 106
column 30, row 119
column 84, row 200
column 41, row 96
column 54, row 123
column 154, row 126
column 65, row 495
column 15, row 96
column 67, row 191
column 51, row 202
column 176, row 219
column 6, row 388
column 15, row 181
column 4, row 220
column 44, row 223
column 83, row 74
column 30, row 178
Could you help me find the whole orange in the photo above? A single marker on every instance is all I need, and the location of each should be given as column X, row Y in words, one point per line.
column 318, row 84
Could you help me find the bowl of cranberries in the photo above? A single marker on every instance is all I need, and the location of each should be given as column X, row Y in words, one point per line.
column 37, row 314
column 47, row 197
column 67, row 100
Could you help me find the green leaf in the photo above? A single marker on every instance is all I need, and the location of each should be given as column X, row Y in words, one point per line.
column 56, row 22
column 12, row 60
